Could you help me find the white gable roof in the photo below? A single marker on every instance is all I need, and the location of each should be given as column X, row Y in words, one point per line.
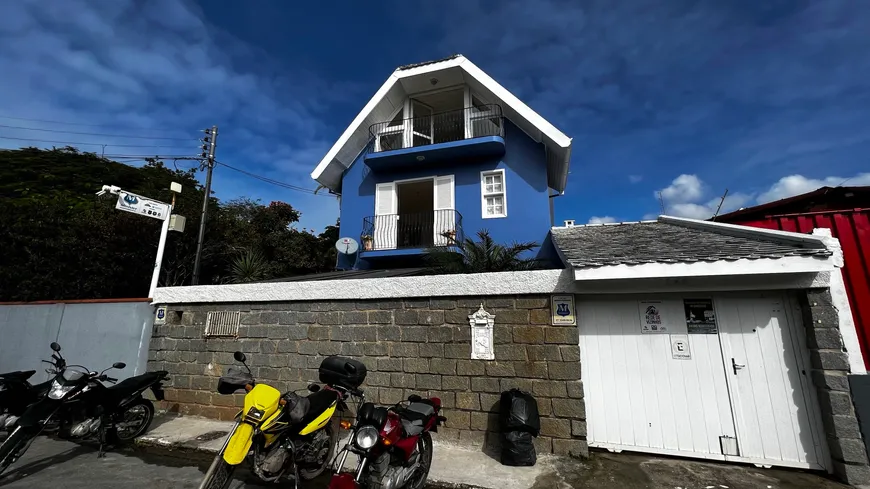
column 412, row 79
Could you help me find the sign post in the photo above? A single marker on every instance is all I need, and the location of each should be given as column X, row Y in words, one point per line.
column 136, row 204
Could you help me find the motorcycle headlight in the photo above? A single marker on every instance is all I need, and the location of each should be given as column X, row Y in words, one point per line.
column 255, row 414
column 366, row 437
column 59, row 390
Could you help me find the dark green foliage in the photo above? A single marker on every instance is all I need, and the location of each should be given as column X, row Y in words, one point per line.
column 58, row 241
column 483, row 255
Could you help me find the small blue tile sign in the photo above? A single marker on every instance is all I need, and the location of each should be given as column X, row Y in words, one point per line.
column 562, row 309
column 160, row 315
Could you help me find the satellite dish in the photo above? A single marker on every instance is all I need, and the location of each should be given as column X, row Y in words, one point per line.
column 346, row 246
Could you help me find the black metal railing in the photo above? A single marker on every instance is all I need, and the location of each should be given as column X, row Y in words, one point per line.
column 445, row 127
column 413, row 230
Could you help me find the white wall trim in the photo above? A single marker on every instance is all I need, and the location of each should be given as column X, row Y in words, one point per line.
column 807, row 240
column 840, row 299
column 788, row 264
column 480, row 284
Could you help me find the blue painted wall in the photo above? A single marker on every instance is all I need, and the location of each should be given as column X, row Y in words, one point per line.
column 528, row 206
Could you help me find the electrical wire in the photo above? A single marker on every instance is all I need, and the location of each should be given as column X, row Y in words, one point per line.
column 273, row 182
column 97, row 134
column 90, row 144
column 113, row 126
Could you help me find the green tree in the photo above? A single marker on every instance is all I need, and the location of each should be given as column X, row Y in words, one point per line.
column 483, row 255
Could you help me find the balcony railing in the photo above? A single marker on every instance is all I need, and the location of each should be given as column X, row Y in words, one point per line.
column 417, row 230
column 445, row 127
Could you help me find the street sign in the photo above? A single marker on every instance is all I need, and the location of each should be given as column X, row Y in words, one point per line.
column 140, row 205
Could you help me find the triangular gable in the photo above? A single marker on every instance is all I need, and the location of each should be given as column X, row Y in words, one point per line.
column 412, row 79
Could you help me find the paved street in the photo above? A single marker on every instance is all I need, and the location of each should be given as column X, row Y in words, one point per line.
column 53, row 463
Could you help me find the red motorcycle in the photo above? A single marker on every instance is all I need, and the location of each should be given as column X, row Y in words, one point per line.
column 393, row 445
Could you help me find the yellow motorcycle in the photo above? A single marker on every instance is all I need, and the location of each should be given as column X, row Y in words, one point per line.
column 286, row 435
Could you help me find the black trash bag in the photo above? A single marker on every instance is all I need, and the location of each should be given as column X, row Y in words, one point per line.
column 518, row 449
column 518, row 411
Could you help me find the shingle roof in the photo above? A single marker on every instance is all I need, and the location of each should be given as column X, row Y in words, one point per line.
column 424, row 63
column 657, row 242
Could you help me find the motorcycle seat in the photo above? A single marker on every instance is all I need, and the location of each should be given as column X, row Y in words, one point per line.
column 318, row 402
column 139, row 381
column 18, row 375
column 415, row 416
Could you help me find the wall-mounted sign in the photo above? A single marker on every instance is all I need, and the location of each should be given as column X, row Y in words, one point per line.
column 160, row 315
column 482, row 324
column 680, row 347
column 700, row 316
column 140, row 205
column 651, row 317
column 562, row 310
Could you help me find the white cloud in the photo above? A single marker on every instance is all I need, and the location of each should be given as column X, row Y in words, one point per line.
column 798, row 184
column 635, row 178
column 601, row 220
column 688, row 195
column 684, row 188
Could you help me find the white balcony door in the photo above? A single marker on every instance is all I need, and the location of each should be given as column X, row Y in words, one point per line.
column 444, row 205
column 386, row 217
column 420, row 128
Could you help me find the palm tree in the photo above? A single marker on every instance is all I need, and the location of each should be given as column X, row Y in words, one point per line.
column 483, row 255
column 249, row 265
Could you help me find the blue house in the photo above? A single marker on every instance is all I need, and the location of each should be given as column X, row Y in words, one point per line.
column 440, row 152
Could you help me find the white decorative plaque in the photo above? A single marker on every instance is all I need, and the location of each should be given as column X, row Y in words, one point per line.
column 482, row 324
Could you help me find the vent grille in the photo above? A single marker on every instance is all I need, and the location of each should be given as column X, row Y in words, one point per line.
column 222, row 323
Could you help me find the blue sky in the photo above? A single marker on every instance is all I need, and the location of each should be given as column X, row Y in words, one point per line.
column 765, row 98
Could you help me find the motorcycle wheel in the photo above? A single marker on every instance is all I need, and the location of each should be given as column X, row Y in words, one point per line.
column 9, row 450
column 332, row 434
column 219, row 474
column 424, row 445
column 136, row 420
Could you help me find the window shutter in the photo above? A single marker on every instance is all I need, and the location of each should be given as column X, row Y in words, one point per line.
column 385, row 199
column 445, row 215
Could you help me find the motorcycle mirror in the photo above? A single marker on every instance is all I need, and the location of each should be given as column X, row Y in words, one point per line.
column 55, row 346
column 313, row 387
column 119, row 365
column 240, row 357
column 414, row 398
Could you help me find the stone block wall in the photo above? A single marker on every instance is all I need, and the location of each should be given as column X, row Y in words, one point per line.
column 410, row 346
column 830, row 366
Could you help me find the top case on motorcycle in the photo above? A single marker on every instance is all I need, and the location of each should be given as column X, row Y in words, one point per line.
column 415, row 416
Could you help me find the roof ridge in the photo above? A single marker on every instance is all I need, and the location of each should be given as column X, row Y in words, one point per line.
column 770, row 235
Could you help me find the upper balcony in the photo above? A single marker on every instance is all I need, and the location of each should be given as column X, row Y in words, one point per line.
column 430, row 138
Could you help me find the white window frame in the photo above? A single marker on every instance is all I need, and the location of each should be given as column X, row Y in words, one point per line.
column 484, row 194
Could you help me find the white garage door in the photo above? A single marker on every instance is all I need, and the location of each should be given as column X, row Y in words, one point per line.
column 733, row 386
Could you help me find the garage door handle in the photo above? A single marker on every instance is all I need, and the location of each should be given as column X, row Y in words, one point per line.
column 737, row 366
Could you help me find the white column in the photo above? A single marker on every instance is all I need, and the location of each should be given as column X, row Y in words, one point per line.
column 161, row 247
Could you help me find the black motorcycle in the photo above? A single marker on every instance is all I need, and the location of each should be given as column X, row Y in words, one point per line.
column 17, row 393
column 81, row 407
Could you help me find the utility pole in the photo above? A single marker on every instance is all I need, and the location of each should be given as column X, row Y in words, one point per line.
column 209, row 142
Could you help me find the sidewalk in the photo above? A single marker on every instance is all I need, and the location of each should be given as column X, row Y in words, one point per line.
column 452, row 467
column 458, row 468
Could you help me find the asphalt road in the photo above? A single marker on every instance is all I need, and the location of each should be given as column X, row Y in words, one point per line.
column 56, row 463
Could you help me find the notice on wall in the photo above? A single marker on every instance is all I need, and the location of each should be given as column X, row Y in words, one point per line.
column 651, row 317
column 680, row 347
column 160, row 315
column 700, row 317
column 562, row 309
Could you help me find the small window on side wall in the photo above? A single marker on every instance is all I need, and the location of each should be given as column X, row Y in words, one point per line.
column 493, row 194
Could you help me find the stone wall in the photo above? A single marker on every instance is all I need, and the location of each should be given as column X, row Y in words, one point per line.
column 409, row 346
column 830, row 366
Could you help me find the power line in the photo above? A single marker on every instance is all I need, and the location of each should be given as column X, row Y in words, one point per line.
column 90, row 144
column 113, row 126
column 97, row 134
column 272, row 181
